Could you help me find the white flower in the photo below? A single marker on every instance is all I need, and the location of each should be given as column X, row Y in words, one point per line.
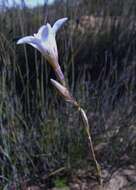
column 45, row 42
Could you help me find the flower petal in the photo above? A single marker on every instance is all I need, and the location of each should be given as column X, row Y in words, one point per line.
column 43, row 31
column 35, row 46
column 33, row 41
column 58, row 24
column 28, row 40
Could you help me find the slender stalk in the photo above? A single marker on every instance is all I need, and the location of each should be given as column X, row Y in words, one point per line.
column 64, row 92
column 87, row 128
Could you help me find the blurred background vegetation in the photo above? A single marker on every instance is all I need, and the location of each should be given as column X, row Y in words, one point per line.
column 39, row 132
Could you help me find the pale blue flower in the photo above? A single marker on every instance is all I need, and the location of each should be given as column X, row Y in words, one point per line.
column 45, row 42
